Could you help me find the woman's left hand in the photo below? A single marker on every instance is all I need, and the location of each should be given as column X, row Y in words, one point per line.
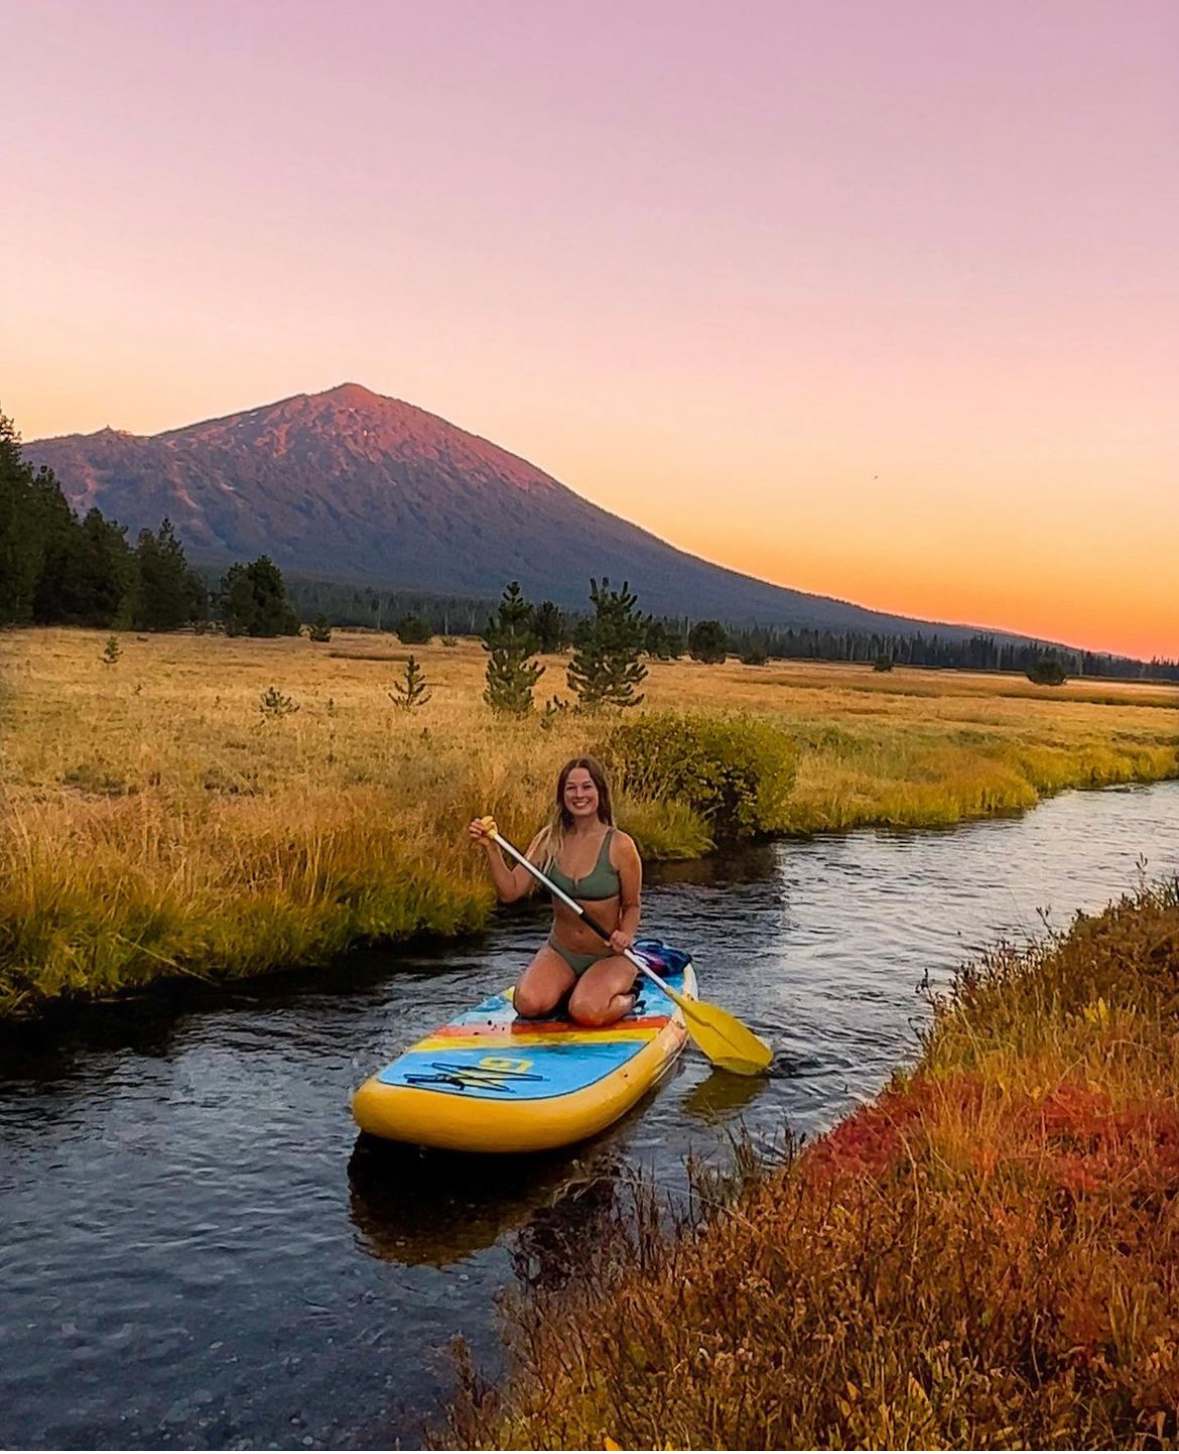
column 620, row 941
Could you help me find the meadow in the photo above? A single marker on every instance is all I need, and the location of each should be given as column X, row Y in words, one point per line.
column 985, row 1257
column 159, row 820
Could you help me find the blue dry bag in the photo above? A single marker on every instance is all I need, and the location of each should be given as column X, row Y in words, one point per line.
column 660, row 957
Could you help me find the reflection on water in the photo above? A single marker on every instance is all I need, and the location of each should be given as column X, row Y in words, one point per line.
column 720, row 1097
column 432, row 1208
column 564, row 1239
column 750, row 864
column 197, row 1247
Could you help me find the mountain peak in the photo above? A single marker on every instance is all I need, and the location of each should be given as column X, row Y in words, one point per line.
column 354, row 485
column 353, row 394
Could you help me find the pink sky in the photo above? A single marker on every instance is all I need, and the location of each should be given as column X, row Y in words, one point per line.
column 877, row 300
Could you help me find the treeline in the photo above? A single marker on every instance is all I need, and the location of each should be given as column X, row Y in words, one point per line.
column 976, row 653
column 58, row 570
column 667, row 636
column 380, row 610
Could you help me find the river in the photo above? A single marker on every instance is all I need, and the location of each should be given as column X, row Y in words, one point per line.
column 195, row 1252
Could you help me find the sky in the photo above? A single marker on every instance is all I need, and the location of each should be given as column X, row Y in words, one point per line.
column 873, row 298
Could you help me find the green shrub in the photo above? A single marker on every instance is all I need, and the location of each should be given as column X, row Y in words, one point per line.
column 735, row 772
column 708, row 641
column 413, row 630
column 1047, row 672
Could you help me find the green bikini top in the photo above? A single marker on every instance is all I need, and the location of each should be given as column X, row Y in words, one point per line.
column 602, row 882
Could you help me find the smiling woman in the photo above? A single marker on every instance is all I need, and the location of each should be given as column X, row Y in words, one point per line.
column 587, row 857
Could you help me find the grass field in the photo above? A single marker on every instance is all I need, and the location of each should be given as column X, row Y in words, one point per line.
column 987, row 1257
column 156, row 821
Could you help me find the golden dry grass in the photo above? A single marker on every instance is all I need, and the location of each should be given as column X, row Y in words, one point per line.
column 155, row 821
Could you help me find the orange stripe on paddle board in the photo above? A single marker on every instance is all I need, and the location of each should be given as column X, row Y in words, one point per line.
column 549, row 1027
column 489, row 1041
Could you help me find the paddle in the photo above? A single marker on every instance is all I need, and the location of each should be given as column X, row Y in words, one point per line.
column 721, row 1036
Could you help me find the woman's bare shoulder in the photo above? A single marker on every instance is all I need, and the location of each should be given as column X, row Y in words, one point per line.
column 624, row 845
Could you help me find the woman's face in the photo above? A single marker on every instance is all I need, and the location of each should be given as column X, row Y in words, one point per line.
column 581, row 796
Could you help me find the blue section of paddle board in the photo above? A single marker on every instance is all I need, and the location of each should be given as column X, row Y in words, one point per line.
column 523, row 1070
column 518, row 1073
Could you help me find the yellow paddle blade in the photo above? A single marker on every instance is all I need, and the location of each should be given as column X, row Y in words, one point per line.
column 722, row 1037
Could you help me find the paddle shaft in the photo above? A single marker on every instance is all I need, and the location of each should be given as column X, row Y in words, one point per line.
column 721, row 1036
column 599, row 929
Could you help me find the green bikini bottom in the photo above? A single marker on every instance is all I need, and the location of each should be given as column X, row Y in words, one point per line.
column 579, row 963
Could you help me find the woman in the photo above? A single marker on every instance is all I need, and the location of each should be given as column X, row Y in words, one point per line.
column 599, row 866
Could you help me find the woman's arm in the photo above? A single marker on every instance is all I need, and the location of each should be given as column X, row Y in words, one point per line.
column 625, row 857
column 510, row 883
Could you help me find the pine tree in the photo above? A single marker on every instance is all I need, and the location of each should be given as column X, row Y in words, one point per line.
column 606, row 669
column 550, row 627
column 169, row 593
column 98, row 581
column 708, row 642
column 1047, row 672
column 53, row 568
column 655, row 641
column 511, row 642
column 254, row 601
column 21, row 541
column 58, row 530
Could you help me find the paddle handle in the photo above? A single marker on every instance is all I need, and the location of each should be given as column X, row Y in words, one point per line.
column 600, row 929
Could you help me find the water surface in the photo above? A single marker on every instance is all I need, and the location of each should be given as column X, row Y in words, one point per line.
column 194, row 1251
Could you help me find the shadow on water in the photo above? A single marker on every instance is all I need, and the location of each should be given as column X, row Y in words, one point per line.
column 428, row 1208
column 437, row 1208
column 746, row 864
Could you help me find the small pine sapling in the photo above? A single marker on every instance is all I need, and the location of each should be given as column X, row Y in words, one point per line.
column 274, row 705
column 412, row 690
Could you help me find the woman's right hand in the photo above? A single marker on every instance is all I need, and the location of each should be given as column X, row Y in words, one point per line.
column 479, row 832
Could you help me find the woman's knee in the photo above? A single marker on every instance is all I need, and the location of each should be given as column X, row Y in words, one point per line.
column 530, row 1001
column 539, row 991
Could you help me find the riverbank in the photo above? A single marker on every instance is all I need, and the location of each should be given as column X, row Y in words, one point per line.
column 159, row 821
column 983, row 1257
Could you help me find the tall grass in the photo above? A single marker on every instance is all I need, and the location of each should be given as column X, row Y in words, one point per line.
column 986, row 1257
column 155, row 820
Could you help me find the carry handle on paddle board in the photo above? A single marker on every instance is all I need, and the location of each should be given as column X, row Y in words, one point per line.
column 492, row 832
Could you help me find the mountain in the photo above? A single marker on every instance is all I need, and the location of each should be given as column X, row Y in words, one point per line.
column 350, row 485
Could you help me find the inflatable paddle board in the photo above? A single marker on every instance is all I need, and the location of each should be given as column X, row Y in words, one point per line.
column 489, row 1081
